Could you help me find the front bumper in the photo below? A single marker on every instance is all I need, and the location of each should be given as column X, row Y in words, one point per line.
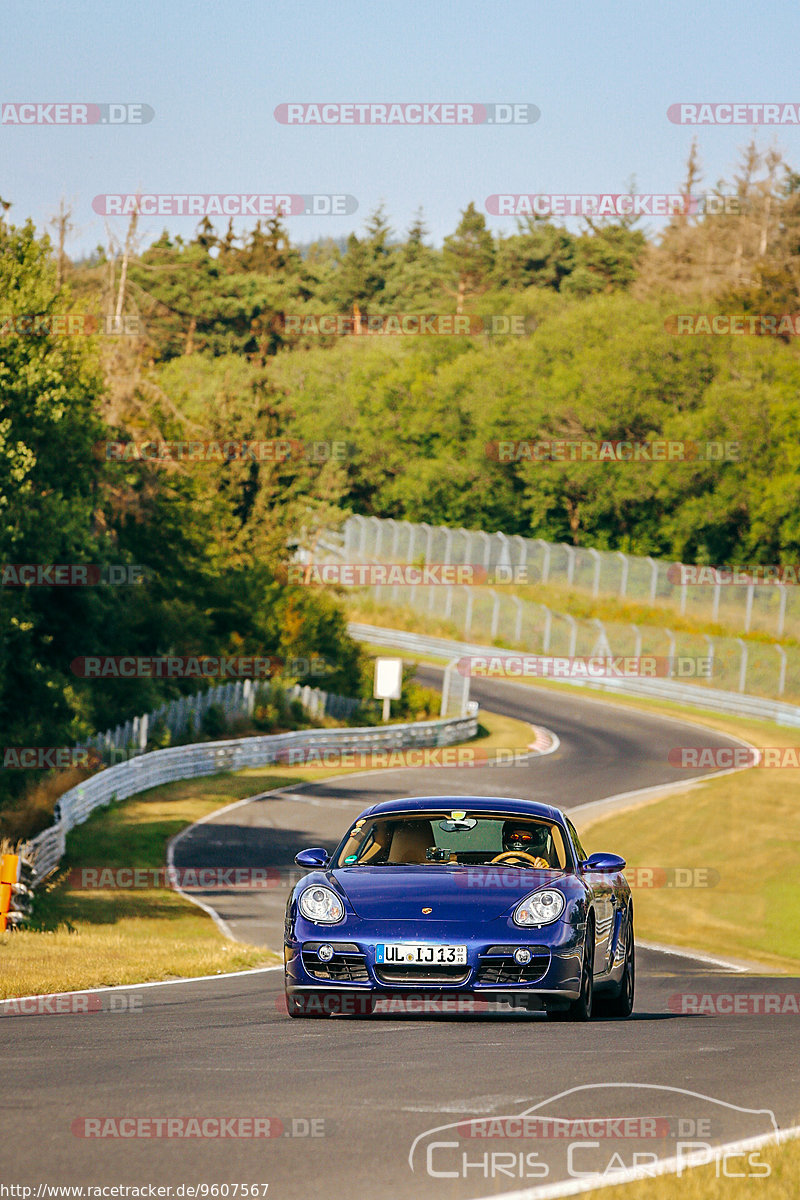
column 551, row 975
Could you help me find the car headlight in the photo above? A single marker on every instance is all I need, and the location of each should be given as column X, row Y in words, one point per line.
column 322, row 905
column 540, row 908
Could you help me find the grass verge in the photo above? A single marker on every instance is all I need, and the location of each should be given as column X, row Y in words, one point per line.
column 710, row 1182
column 99, row 938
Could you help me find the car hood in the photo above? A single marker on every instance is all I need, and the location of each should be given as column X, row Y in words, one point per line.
column 399, row 893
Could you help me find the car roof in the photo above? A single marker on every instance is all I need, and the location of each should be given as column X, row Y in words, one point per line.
column 499, row 804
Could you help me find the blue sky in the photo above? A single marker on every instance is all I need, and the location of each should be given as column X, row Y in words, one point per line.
column 602, row 76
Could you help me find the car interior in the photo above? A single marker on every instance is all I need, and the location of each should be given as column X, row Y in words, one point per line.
column 435, row 839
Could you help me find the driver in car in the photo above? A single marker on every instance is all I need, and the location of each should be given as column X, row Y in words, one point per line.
column 525, row 844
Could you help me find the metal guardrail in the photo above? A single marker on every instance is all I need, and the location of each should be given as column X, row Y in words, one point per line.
column 209, row 758
column 661, row 689
column 185, row 714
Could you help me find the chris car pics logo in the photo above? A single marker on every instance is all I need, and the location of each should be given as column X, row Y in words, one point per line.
column 598, row 1134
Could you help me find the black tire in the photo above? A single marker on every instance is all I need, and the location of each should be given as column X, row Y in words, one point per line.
column 581, row 1009
column 621, row 1005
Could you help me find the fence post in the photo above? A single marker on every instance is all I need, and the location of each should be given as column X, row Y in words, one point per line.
column 597, row 564
column 748, row 612
column 518, row 624
column 671, row 637
column 637, row 651
column 545, row 556
column 548, row 626
column 571, row 562
column 468, row 614
column 602, row 645
column 395, row 534
column 653, row 578
column 782, row 674
column 623, row 583
column 782, row 610
column 495, row 612
column 710, row 643
column 742, row 664
column 362, row 551
column 573, row 634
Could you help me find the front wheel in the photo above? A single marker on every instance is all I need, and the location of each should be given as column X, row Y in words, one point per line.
column 581, row 1009
column 621, row 1005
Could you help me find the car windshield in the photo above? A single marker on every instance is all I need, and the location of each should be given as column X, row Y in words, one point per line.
column 453, row 839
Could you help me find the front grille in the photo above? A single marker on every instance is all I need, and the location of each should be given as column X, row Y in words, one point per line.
column 342, row 968
column 412, row 973
column 497, row 966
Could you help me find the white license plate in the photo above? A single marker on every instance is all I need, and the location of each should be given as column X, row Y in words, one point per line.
column 420, row 955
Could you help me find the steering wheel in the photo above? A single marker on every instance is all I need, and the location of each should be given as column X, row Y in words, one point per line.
column 531, row 859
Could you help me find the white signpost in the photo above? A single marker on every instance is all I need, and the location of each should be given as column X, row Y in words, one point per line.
column 388, row 682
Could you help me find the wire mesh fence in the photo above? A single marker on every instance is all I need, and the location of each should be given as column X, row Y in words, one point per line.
column 737, row 597
column 496, row 615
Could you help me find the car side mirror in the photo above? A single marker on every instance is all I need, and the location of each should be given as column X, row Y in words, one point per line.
column 608, row 864
column 315, row 857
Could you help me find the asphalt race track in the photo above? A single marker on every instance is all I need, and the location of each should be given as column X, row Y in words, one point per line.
column 225, row 1048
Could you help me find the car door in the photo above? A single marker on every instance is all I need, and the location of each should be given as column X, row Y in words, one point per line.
column 601, row 888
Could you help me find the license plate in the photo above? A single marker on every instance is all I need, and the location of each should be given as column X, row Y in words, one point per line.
column 421, row 955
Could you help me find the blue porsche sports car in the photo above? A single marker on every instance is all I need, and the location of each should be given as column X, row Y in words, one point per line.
column 460, row 895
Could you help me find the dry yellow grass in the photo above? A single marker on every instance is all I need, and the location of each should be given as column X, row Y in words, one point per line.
column 744, row 826
column 710, row 1182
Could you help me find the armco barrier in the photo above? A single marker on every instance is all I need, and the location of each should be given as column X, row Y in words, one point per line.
column 661, row 689
column 209, row 758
